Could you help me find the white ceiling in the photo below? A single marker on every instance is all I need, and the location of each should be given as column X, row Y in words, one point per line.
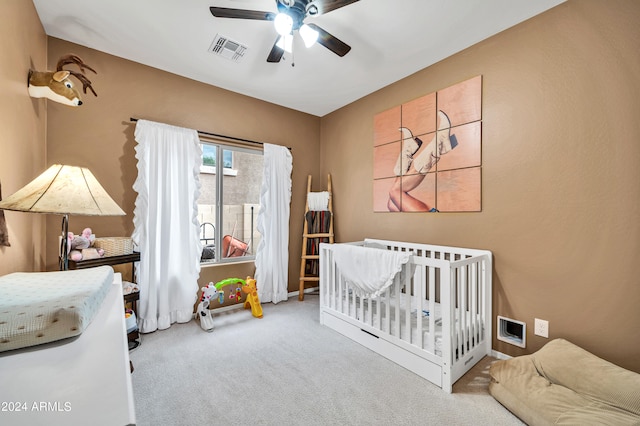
column 389, row 39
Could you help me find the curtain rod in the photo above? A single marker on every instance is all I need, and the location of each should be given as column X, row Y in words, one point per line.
column 200, row 132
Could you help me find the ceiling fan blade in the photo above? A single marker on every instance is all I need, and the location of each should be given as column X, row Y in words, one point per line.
column 332, row 43
column 327, row 6
column 276, row 52
column 225, row 12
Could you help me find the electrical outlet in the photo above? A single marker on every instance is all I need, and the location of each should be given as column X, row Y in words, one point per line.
column 541, row 328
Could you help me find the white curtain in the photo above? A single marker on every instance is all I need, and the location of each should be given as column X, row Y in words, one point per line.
column 166, row 223
column 272, row 255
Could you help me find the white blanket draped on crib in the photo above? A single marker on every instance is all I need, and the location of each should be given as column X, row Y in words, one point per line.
column 369, row 270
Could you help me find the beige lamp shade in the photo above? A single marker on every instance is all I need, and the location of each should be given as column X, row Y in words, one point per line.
column 63, row 190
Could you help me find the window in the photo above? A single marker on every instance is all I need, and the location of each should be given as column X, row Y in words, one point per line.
column 209, row 155
column 229, row 202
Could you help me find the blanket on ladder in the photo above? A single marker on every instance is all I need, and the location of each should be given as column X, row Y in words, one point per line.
column 370, row 271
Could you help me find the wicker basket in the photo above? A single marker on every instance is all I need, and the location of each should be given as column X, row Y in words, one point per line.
column 114, row 246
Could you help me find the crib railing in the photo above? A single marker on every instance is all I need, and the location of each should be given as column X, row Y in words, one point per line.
column 470, row 288
column 449, row 287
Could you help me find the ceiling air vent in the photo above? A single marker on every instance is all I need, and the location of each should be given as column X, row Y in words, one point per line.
column 222, row 46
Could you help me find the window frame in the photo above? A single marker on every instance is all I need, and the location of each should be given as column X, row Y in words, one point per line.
column 220, row 171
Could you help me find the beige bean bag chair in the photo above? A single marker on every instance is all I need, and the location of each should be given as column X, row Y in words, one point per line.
column 562, row 384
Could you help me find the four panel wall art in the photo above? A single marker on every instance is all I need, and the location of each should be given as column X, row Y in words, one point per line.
column 427, row 152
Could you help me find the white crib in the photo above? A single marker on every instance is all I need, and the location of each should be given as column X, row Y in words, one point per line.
column 434, row 321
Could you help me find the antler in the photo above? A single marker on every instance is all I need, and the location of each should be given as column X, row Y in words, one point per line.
column 73, row 59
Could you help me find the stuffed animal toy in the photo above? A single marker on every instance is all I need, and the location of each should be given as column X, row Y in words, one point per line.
column 253, row 301
column 202, row 312
column 79, row 245
column 57, row 86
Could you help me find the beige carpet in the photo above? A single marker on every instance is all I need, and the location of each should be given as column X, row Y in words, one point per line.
column 287, row 369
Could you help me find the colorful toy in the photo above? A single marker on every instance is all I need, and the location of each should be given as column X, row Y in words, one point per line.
column 249, row 287
column 253, row 301
column 202, row 312
column 228, row 281
column 211, row 291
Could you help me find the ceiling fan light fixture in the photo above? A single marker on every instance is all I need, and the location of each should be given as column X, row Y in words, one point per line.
column 309, row 35
column 283, row 24
column 289, row 19
column 285, row 43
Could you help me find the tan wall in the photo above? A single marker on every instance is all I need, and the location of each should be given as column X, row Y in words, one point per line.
column 99, row 135
column 561, row 182
column 560, row 178
column 23, row 45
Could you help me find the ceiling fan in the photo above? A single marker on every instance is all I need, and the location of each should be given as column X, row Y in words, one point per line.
column 290, row 17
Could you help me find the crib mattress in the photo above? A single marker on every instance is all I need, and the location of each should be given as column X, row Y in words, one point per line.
column 43, row 307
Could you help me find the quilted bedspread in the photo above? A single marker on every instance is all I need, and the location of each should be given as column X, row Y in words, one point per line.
column 43, row 307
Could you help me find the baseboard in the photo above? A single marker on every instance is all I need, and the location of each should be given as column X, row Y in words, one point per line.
column 500, row 355
column 241, row 305
column 227, row 308
column 306, row 290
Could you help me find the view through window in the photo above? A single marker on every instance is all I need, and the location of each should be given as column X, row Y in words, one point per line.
column 229, row 202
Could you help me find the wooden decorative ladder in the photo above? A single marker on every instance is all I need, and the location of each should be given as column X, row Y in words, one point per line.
column 311, row 239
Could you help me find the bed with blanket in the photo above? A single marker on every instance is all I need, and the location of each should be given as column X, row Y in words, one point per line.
column 425, row 307
column 64, row 356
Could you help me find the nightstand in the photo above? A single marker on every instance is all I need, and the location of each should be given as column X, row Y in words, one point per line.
column 128, row 298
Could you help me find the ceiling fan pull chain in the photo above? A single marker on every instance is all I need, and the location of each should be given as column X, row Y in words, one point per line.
column 293, row 58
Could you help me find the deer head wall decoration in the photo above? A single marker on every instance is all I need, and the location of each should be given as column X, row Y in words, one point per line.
column 57, row 86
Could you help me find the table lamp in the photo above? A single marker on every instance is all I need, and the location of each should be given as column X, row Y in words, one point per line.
column 64, row 190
